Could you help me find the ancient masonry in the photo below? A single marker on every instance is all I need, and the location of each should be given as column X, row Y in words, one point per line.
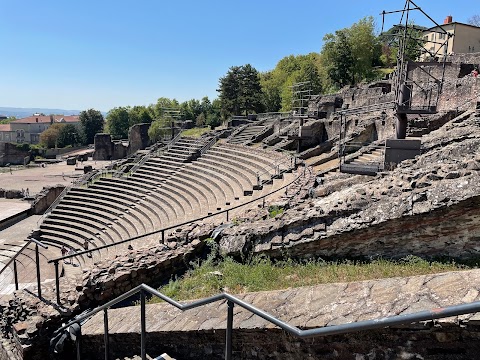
column 427, row 205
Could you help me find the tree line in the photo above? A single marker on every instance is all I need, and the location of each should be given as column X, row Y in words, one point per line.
column 348, row 56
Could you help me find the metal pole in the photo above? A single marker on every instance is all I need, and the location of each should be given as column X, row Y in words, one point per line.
column 15, row 273
column 228, row 340
column 105, row 333
column 163, row 236
column 143, row 326
column 77, row 341
column 57, row 281
column 227, row 215
column 37, row 260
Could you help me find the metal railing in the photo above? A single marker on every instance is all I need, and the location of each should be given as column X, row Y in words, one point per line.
column 208, row 145
column 56, row 261
column 13, row 260
column 395, row 320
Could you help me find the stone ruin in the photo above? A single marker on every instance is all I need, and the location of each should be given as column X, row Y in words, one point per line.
column 435, row 214
column 108, row 149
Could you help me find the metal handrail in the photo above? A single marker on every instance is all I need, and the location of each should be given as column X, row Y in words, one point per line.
column 12, row 259
column 208, row 145
column 395, row 320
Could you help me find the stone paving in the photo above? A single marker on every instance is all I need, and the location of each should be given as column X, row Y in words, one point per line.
column 35, row 177
column 10, row 207
column 310, row 307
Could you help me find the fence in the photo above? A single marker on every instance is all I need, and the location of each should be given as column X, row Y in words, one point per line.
column 231, row 300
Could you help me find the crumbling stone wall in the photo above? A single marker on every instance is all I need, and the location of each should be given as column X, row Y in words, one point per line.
column 45, row 198
column 108, row 149
column 138, row 138
column 11, row 154
column 103, row 147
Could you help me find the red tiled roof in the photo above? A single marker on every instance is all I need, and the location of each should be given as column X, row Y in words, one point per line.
column 5, row 127
column 46, row 119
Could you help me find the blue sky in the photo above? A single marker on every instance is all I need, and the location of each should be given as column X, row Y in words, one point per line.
column 105, row 53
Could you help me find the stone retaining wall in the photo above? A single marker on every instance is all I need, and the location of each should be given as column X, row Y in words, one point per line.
column 200, row 333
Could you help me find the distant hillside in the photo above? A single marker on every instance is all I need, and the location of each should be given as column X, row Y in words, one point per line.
column 24, row 112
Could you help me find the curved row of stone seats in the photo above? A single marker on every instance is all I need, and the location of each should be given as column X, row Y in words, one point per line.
column 162, row 192
column 171, row 208
column 118, row 209
column 138, row 196
column 267, row 164
column 120, row 202
column 182, row 199
column 266, row 156
column 248, row 165
column 26, row 266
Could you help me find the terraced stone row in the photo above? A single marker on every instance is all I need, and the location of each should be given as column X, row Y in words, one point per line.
column 165, row 191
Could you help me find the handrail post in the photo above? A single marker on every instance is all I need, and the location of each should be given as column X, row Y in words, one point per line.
column 143, row 326
column 57, row 281
column 163, row 236
column 228, row 340
column 37, row 260
column 105, row 333
column 15, row 274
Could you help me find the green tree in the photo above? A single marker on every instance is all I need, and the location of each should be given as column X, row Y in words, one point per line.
column 191, row 109
column 48, row 138
column 364, row 46
column 160, row 129
column 118, row 122
column 200, row 120
column 162, row 104
column 92, row 122
column 68, row 135
column 272, row 100
column 338, row 55
column 139, row 115
column 8, row 120
column 240, row 91
column 392, row 39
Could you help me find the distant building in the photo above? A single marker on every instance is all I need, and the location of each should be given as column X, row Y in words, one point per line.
column 28, row 130
column 465, row 39
column 3, row 117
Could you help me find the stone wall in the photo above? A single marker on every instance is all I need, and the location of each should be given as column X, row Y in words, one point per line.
column 11, row 154
column 427, row 206
column 103, row 147
column 138, row 138
column 45, row 198
column 200, row 333
column 108, row 149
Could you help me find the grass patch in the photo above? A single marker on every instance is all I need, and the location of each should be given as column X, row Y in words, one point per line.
column 195, row 132
column 274, row 211
column 262, row 274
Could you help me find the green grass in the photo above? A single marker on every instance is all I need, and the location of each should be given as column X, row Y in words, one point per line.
column 262, row 274
column 274, row 211
column 195, row 132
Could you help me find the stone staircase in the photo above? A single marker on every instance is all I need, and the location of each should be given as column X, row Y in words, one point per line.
column 366, row 163
column 252, row 131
